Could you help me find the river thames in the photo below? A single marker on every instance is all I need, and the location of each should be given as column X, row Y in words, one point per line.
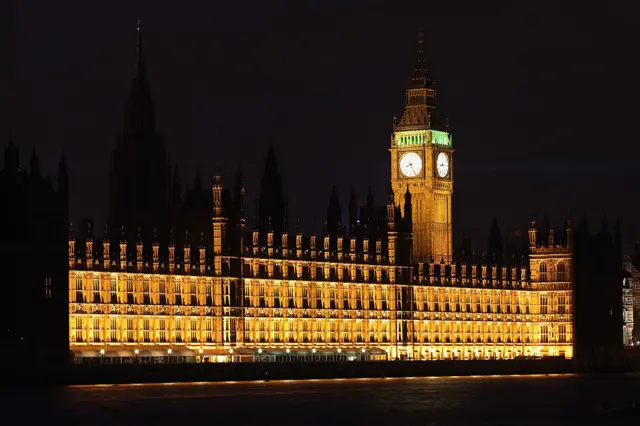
column 504, row 400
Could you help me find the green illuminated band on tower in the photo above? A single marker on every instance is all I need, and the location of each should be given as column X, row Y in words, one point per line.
column 440, row 138
column 420, row 137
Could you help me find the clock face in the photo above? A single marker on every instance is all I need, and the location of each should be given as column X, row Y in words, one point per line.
column 410, row 164
column 442, row 164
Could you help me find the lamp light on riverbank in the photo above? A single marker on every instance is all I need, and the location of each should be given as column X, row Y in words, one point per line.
column 230, row 351
column 339, row 350
column 169, row 351
column 313, row 350
column 363, row 350
column 101, row 351
column 260, row 350
column 136, row 352
column 288, row 350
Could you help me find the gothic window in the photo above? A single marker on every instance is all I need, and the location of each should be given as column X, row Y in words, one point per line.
column 113, row 330
column 79, row 337
column 543, row 272
column 113, row 290
column 96, row 330
column 562, row 273
column 163, row 332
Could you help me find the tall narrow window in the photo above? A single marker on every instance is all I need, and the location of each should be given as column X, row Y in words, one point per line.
column 543, row 272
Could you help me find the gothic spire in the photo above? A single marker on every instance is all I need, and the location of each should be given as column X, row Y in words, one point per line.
column 140, row 110
column 421, row 77
column 34, row 165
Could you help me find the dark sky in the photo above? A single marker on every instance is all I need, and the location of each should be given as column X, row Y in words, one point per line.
column 542, row 100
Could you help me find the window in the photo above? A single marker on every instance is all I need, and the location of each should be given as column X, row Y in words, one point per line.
column 96, row 330
column 113, row 330
column 163, row 332
column 146, row 330
column 96, row 290
column 194, row 295
column 562, row 273
column 79, row 337
column 130, row 330
column 543, row 272
column 146, row 291
column 78, row 289
column 114, row 293
column 194, row 330
column 130, row 290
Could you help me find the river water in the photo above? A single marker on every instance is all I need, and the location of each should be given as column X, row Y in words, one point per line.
column 506, row 400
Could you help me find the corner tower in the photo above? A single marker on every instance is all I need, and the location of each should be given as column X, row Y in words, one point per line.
column 421, row 160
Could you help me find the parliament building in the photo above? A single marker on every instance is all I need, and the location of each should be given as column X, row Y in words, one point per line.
column 192, row 278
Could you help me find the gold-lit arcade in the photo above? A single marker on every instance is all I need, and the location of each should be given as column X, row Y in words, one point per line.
column 391, row 291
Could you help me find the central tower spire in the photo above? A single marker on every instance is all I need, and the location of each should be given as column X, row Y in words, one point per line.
column 421, row 77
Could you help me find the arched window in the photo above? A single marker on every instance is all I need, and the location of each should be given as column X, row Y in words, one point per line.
column 543, row 272
column 562, row 272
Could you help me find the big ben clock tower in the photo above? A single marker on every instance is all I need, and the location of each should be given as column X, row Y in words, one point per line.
column 422, row 160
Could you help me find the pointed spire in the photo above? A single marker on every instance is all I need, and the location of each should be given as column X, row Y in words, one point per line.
column 34, row 164
column 197, row 182
column 105, row 236
column 139, row 118
column 239, row 192
column 421, row 77
column 11, row 156
column 140, row 70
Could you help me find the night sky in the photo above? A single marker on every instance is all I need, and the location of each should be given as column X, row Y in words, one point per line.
column 542, row 101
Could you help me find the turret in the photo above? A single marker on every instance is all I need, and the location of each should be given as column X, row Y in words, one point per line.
column 326, row 244
column 255, row 238
column 106, row 248
column 72, row 247
column 187, row 253
column 298, row 240
column 312, row 244
column 392, row 235
column 89, row 247
column 569, row 232
column 203, row 260
column 123, row 250
column 340, row 246
column 533, row 234
column 218, row 224
column 156, row 251
column 269, row 239
column 353, row 213
column 172, row 252
column 139, row 248
column 239, row 199
column 285, row 242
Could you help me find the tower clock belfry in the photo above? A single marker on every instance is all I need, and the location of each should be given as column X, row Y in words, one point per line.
column 422, row 161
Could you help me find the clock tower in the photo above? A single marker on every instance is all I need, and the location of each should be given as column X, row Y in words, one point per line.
column 422, row 161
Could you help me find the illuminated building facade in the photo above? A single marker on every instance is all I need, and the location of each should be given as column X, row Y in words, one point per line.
column 362, row 291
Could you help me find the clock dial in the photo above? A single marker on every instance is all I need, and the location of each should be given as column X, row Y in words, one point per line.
column 442, row 164
column 410, row 164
